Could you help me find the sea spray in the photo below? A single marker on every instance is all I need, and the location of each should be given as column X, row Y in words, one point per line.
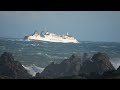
column 33, row 69
column 116, row 63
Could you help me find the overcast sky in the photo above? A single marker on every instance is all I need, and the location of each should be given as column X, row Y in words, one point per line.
column 83, row 25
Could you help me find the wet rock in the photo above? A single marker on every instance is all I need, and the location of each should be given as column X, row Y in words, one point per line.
column 77, row 65
column 99, row 63
column 11, row 68
column 69, row 66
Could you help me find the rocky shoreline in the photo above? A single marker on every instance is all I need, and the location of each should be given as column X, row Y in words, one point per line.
column 76, row 67
column 11, row 69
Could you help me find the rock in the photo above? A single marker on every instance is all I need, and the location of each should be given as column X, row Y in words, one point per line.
column 99, row 63
column 85, row 57
column 102, row 61
column 11, row 68
column 5, row 77
column 49, row 71
column 38, row 76
column 118, row 69
column 69, row 66
column 75, row 66
column 114, row 74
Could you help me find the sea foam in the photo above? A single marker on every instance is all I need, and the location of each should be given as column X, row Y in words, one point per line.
column 33, row 69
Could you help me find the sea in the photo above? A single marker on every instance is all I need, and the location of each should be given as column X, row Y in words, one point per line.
column 36, row 55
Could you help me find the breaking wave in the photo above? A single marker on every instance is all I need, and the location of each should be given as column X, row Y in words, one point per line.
column 115, row 62
column 33, row 69
column 53, row 57
column 107, row 46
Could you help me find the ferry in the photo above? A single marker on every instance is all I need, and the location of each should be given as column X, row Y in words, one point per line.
column 50, row 37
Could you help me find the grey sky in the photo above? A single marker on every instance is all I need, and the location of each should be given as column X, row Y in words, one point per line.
column 84, row 25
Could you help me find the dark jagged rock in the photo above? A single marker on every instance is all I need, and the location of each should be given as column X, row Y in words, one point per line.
column 99, row 63
column 85, row 57
column 68, row 67
column 115, row 74
column 77, row 66
column 11, row 68
column 5, row 77
column 102, row 61
column 38, row 76
column 118, row 69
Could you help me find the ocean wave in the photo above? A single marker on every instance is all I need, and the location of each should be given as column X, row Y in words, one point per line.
column 103, row 46
column 81, row 46
column 39, row 53
column 65, row 57
column 107, row 46
column 115, row 62
column 33, row 45
column 33, row 69
column 19, row 39
column 19, row 50
column 45, row 42
column 14, row 39
column 53, row 57
column 92, row 51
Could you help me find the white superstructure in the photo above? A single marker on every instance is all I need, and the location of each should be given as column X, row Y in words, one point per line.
column 50, row 37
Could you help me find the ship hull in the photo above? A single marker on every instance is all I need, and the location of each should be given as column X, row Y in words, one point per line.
column 50, row 40
column 50, row 37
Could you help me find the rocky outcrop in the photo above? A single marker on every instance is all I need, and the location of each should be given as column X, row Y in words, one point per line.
column 38, row 76
column 85, row 57
column 99, row 63
column 11, row 68
column 118, row 69
column 77, row 65
column 68, row 67
column 81, row 67
column 115, row 74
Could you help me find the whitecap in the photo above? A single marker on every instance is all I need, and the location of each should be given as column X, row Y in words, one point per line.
column 38, row 44
column 33, row 45
column 107, row 46
column 103, row 46
column 45, row 42
column 39, row 53
column 65, row 57
column 115, row 62
column 33, row 69
column 20, row 50
column 54, row 57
